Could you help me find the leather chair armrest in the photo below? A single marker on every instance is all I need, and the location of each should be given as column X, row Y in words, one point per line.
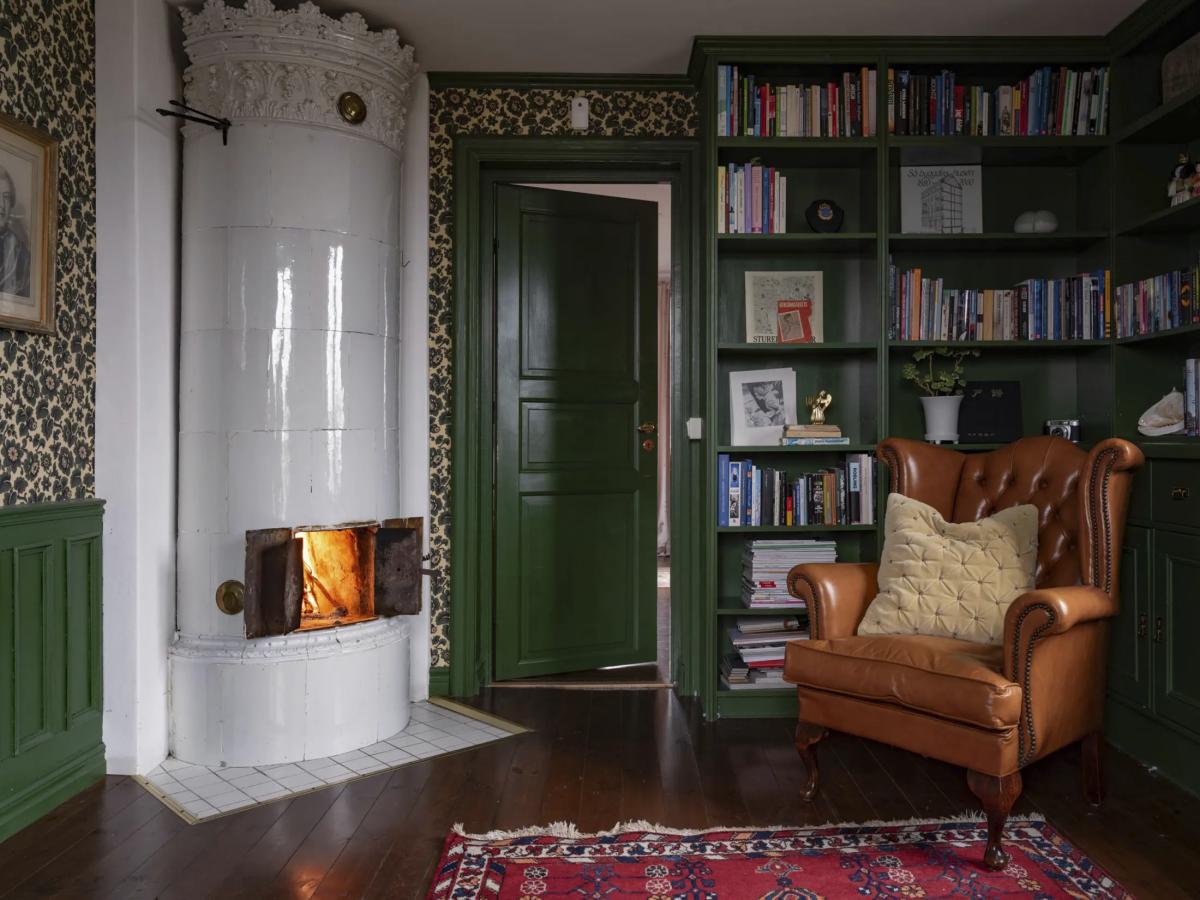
column 837, row 595
column 1048, row 611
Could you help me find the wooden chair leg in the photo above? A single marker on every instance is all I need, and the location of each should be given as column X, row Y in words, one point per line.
column 1093, row 768
column 806, row 740
column 997, row 793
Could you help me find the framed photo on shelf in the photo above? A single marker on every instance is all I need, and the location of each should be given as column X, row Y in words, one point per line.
column 770, row 296
column 760, row 404
column 941, row 199
column 28, row 219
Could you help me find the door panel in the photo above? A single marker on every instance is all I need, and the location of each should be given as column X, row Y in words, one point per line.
column 1129, row 647
column 1177, row 664
column 575, row 376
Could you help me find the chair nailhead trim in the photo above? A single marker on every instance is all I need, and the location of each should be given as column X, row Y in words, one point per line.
column 1024, row 757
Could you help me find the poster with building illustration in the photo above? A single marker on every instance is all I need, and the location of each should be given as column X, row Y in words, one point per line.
column 941, row 199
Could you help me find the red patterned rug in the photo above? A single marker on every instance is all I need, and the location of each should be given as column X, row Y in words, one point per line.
column 930, row 859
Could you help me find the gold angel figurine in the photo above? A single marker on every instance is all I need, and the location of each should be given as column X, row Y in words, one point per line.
column 819, row 404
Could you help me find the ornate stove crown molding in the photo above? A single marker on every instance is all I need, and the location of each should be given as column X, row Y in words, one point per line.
column 259, row 62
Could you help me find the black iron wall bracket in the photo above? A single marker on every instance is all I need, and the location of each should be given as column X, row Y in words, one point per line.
column 195, row 115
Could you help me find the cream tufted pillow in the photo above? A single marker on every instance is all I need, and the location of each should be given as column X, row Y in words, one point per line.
column 951, row 579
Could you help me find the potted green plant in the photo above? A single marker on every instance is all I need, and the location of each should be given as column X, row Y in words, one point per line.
column 942, row 388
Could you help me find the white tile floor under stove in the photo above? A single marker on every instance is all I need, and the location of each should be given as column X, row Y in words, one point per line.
column 202, row 792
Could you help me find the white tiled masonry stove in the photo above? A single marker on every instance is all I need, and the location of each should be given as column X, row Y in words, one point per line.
column 288, row 415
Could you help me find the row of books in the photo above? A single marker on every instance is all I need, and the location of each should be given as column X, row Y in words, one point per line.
column 1159, row 303
column 751, row 199
column 1191, row 397
column 748, row 106
column 924, row 309
column 752, row 495
column 1051, row 101
column 765, row 567
column 759, row 647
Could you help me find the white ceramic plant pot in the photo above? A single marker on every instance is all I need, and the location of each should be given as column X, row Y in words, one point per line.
column 941, row 418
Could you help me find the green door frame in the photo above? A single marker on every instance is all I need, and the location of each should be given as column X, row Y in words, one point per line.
column 480, row 163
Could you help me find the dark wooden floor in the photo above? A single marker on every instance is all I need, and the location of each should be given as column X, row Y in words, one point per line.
column 594, row 758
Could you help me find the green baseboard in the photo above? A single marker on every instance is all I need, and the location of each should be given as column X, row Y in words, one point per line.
column 1172, row 753
column 39, row 797
column 439, row 681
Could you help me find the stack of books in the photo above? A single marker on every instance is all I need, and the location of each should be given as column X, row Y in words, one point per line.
column 1158, row 303
column 754, row 495
column 748, row 106
column 751, row 199
column 760, row 646
column 1075, row 308
column 812, row 435
column 1051, row 101
column 765, row 567
column 1191, row 398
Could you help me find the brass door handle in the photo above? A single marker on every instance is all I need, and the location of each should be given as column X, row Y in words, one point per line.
column 1141, row 626
column 646, row 428
column 1179, row 493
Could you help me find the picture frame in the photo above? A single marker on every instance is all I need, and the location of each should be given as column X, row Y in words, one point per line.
column 765, row 290
column 941, row 199
column 28, row 226
column 761, row 402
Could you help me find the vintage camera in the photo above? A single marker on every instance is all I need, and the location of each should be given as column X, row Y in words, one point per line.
column 1063, row 428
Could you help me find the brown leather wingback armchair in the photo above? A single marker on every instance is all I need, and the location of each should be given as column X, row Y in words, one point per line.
column 991, row 709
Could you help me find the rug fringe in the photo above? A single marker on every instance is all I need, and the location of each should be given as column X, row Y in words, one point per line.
column 570, row 831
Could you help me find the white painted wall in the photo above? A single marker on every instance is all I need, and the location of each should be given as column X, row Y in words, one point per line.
column 414, row 353
column 137, row 173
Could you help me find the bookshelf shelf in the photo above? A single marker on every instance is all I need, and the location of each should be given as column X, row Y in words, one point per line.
column 794, row 529
column 801, row 241
column 998, row 150
column 806, row 448
column 1180, row 219
column 725, row 610
column 1171, row 123
column 899, row 346
column 732, row 348
column 1170, row 447
column 1154, row 337
column 794, row 152
column 997, row 242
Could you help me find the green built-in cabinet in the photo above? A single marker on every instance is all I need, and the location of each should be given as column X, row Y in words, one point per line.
column 50, row 657
column 1109, row 194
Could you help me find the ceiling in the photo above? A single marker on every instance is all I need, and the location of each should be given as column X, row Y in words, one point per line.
column 655, row 36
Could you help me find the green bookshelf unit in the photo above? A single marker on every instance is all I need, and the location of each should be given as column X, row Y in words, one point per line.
column 1107, row 191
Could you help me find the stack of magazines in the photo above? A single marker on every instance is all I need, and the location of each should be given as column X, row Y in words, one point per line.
column 759, row 646
column 765, row 567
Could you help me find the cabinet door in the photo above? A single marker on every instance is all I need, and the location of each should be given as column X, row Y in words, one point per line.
column 1129, row 647
column 1175, row 628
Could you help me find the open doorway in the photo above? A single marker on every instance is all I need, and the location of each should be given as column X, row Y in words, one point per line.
column 582, row 292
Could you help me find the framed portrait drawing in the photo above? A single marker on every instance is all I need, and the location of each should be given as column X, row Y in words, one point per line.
column 28, row 218
column 760, row 404
column 784, row 307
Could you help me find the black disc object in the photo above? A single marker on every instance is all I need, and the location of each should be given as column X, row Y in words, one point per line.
column 824, row 215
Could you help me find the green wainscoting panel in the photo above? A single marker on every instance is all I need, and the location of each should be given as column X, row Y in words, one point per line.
column 50, row 657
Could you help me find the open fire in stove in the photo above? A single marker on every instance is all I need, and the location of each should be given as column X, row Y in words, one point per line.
column 303, row 579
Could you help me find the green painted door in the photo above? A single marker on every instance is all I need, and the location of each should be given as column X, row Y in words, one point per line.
column 575, row 379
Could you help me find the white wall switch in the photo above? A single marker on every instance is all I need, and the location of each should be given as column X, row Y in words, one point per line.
column 694, row 429
column 579, row 113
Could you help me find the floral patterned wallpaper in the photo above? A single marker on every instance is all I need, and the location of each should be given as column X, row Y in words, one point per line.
column 538, row 112
column 47, row 382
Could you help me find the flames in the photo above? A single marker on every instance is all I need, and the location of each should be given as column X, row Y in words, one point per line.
column 338, row 578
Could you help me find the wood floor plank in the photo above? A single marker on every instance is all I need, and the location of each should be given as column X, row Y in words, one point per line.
column 593, row 758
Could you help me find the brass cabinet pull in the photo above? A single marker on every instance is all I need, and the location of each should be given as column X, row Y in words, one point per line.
column 1179, row 493
column 1141, row 629
column 1158, row 630
column 646, row 428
